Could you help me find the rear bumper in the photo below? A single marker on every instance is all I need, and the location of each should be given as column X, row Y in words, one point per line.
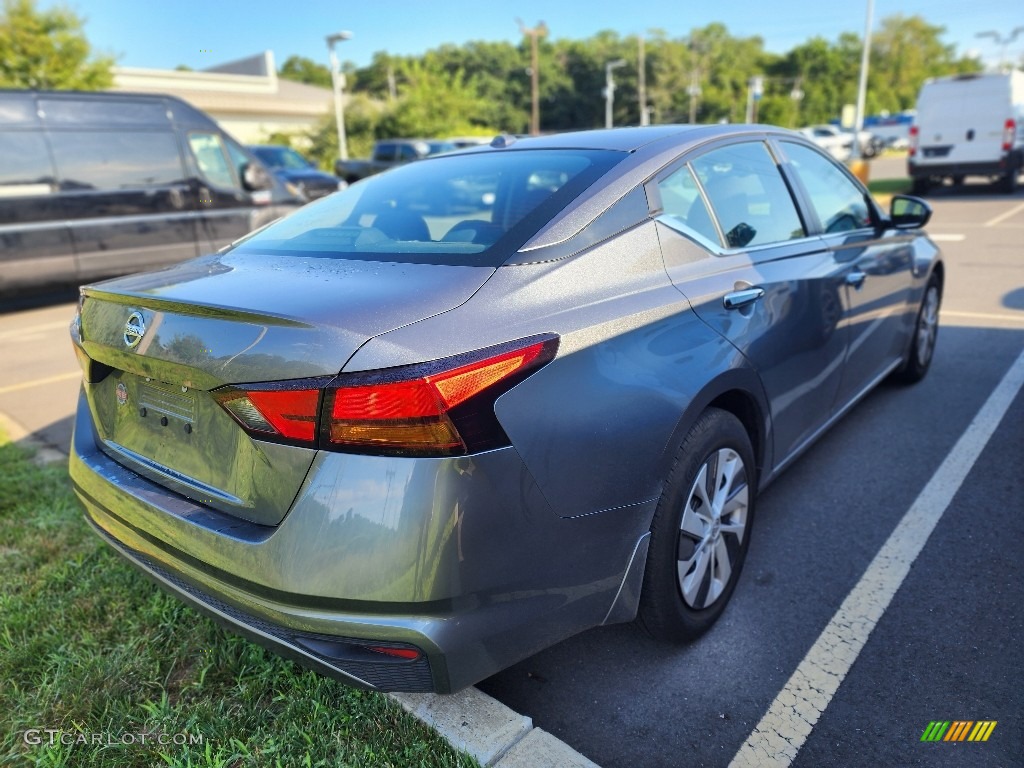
column 923, row 170
column 461, row 559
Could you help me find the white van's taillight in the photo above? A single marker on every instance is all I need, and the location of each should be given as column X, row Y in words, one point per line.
column 913, row 141
column 1009, row 131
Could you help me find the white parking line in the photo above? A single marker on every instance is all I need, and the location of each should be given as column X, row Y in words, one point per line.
column 1005, row 215
column 38, row 382
column 16, row 333
column 948, row 238
column 1003, row 318
column 786, row 725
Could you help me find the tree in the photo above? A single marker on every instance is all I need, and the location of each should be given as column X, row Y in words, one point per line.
column 48, row 49
column 303, row 70
column 904, row 52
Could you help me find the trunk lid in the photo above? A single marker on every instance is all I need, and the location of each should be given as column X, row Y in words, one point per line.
column 236, row 319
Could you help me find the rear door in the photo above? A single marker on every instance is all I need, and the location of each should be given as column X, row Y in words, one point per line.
column 875, row 265
column 736, row 246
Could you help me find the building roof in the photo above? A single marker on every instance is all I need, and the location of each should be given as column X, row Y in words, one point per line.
column 245, row 86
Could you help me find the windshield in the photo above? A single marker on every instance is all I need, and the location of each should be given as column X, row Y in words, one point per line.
column 281, row 158
column 437, row 147
column 473, row 209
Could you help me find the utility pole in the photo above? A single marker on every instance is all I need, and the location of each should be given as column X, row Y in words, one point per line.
column 534, row 33
column 641, row 82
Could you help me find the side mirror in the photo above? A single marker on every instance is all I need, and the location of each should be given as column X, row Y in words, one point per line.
column 254, row 177
column 906, row 212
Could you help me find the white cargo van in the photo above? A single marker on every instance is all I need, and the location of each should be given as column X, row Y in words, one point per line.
column 968, row 125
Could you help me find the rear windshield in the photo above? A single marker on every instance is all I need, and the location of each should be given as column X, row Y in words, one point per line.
column 281, row 158
column 475, row 209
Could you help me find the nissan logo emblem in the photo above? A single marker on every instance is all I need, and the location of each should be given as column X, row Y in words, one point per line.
column 134, row 329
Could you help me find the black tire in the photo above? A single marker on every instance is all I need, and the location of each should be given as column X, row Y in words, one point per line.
column 920, row 186
column 958, row 180
column 1008, row 183
column 926, row 331
column 677, row 606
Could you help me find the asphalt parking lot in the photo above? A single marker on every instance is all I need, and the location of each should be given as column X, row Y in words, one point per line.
column 944, row 648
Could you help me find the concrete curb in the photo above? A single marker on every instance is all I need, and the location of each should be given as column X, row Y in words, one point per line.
column 490, row 732
column 44, row 453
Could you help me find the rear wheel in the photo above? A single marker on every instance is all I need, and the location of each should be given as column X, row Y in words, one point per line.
column 1008, row 183
column 700, row 533
column 926, row 331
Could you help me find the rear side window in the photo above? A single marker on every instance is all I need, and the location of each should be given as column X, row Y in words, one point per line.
column 748, row 195
column 474, row 209
column 111, row 160
column 839, row 203
column 25, row 167
column 681, row 199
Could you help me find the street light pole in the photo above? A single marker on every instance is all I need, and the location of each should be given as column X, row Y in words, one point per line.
column 337, row 85
column 862, row 86
column 1002, row 42
column 609, row 90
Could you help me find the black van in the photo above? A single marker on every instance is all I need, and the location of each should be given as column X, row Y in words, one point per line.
column 99, row 184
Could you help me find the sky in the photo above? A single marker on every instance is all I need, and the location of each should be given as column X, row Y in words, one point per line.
column 162, row 34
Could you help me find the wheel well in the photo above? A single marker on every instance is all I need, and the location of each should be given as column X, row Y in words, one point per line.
column 940, row 273
column 744, row 407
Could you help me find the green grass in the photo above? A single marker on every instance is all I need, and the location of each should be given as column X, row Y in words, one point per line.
column 90, row 647
column 889, row 186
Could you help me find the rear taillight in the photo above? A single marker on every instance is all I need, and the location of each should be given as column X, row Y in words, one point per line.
column 441, row 408
column 1009, row 132
column 290, row 414
column 912, row 150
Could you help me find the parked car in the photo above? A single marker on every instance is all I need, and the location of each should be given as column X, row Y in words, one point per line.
column 839, row 143
column 308, row 181
column 968, row 125
column 389, row 154
column 98, row 184
column 409, row 450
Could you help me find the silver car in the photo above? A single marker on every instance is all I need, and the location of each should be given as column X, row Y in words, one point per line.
column 427, row 426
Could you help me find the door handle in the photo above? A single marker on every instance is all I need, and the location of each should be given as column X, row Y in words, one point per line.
column 856, row 279
column 737, row 299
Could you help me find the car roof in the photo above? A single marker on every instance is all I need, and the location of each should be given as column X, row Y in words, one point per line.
column 631, row 139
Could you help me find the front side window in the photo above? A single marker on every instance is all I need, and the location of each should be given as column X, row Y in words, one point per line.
column 841, row 205
column 474, row 209
column 208, row 150
column 748, row 195
column 110, row 160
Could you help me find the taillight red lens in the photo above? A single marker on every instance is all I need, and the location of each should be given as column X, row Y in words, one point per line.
column 287, row 413
column 1009, row 131
column 912, row 150
column 442, row 408
column 421, row 413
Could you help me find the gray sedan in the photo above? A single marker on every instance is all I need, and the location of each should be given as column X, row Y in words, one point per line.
column 425, row 427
